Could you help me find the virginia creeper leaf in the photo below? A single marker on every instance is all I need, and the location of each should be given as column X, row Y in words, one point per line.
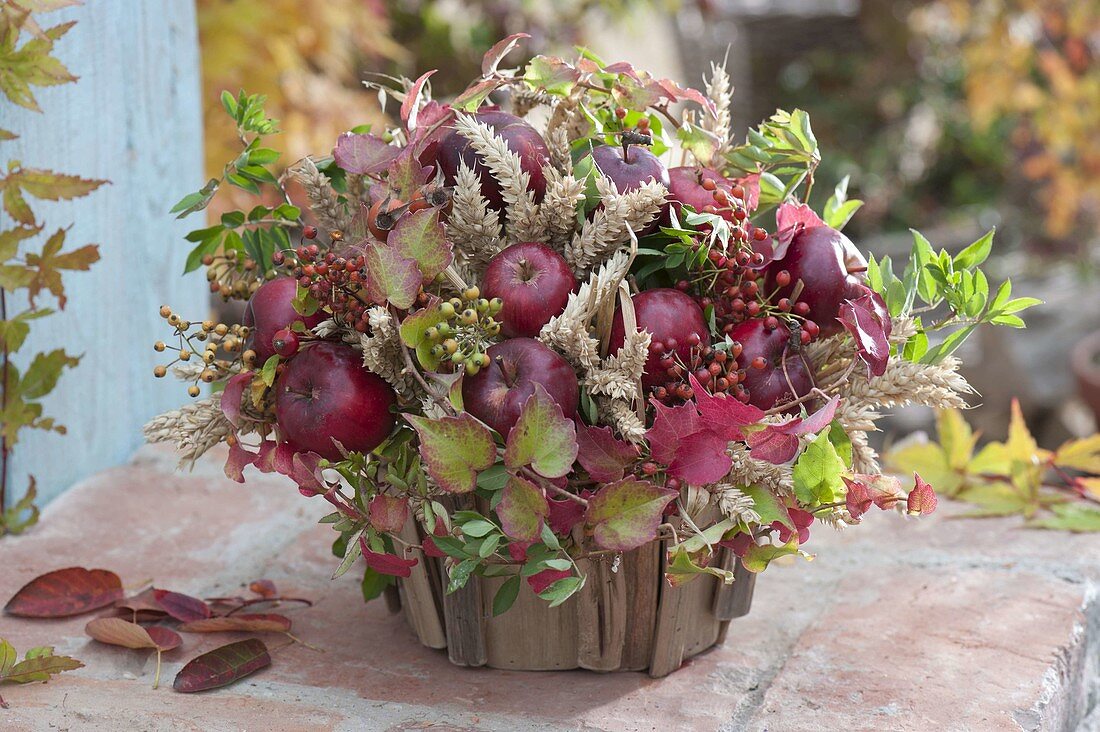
column 542, row 437
column 626, row 514
column 420, row 236
column 522, row 509
column 391, row 277
column 454, row 449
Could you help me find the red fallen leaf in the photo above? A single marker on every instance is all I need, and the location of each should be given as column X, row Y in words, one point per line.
column 922, row 499
column 232, row 394
column 66, row 592
column 144, row 602
column 564, row 515
column 120, row 632
column 244, row 623
column 388, row 513
column 264, row 588
column 183, row 608
column 386, row 563
column 539, row 582
column 863, row 318
column 790, row 219
column 603, row 455
column 222, row 666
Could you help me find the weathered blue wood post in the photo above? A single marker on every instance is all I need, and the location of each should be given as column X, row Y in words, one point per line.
column 134, row 117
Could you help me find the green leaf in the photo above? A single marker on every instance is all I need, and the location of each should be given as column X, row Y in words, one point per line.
column 562, row 590
column 768, row 505
column 624, row 515
column 757, row 558
column 391, row 277
column 1020, row 303
column 493, row 478
column 552, row 75
column 506, row 595
column 459, row 574
column 374, row 583
column 542, row 437
column 413, row 329
column 976, row 253
column 816, row 473
column 267, row 373
column 352, row 551
column 1075, row 517
column 454, row 449
column 948, row 345
column 42, row 375
column 478, row 528
column 522, row 510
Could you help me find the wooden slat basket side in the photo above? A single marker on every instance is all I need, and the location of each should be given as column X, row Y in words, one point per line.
column 624, row 619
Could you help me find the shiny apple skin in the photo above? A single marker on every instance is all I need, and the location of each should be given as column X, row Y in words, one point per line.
column 768, row 386
column 325, row 394
column 685, row 186
column 638, row 167
column 271, row 309
column 665, row 313
column 521, row 138
column 534, row 282
column 497, row 393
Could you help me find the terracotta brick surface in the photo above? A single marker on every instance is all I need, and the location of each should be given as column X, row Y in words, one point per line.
column 898, row 625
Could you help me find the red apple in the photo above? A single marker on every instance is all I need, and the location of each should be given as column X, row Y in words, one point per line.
column 820, row 257
column 674, row 320
column 685, row 186
column 533, row 281
column 764, row 378
column 520, row 137
column 497, row 393
column 271, row 309
column 325, row 394
column 628, row 169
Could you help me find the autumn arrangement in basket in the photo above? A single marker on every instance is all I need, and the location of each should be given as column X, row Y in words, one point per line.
column 560, row 317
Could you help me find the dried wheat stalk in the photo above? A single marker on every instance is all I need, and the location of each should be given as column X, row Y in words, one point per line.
column 194, row 428
column 472, row 225
column 558, row 211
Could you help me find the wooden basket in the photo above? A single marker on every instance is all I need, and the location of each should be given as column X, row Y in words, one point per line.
column 625, row 620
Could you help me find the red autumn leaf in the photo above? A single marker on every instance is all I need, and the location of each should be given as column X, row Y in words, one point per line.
column 143, row 602
column 411, row 104
column 500, row 49
column 669, row 424
column 701, row 458
column 863, row 318
column 239, row 458
column 922, row 499
column 363, row 153
column 778, row 443
column 264, row 588
column 306, row 472
column 388, row 513
column 386, row 563
column 751, row 186
column 391, row 277
column 724, row 415
column 858, row 499
column 564, row 515
column 790, row 219
column 801, row 520
column 603, row 455
column 232, row 395
column 66, row 592
column 183, row 608
column 540, row 581
column 429, row 546
column 222, row 666
column 243, row 623
column 119, row 632
column 625, row 515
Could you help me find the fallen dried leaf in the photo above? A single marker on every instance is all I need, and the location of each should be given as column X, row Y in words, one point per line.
column 66, row 592
column 222, row 666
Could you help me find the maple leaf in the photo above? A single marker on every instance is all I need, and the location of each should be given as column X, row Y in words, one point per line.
column 46, row 267
column 1083, row 455
column 603, row 455
column 30, row 64
column 420, row 236
column 454, row 449
column 542, row 437
column 39, row 183
column 624, row 515
column 522, row 509
column 363, row 154
column 724, row 414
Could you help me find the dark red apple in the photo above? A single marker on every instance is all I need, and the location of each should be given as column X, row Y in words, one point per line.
column 497, row 393
column 533, row 281
column 685, row 186
column 628, row 169
column 271, row 309
column 521, row 138
column 673, row 319
column 820, row 257
column 325, row 394
column 764, row 355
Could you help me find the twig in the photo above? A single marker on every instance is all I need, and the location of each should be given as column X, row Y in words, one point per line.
column 553, row 488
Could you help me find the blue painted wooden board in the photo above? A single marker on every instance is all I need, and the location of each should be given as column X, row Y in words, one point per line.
column 134, row 117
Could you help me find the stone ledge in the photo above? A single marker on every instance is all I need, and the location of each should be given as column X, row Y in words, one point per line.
column 899, row 624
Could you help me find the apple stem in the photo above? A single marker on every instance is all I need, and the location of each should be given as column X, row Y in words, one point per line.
column 507, row 370
column 626, row 151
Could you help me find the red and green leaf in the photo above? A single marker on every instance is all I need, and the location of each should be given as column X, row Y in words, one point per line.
column 391, row 277
column 420, row 236
column 542, row 437
column 454, row 450
column 388, row 513
column 624, row 515
column 363, row 154
column 222, row 666
column 183, row 608
column 522, row 509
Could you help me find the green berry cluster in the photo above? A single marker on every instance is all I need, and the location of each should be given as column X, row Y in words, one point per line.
column 467, row 330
